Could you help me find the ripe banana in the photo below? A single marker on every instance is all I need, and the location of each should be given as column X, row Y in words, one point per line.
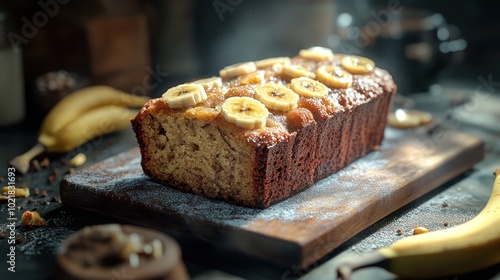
column 81, row 101
column 468, row 247
column 79, row 117
column 245, row 112
column 277, row 97
column 358, row 64
column 185, row 95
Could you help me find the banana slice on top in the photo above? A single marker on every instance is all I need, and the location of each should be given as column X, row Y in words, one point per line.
column 334, row 76
column 296, row 71
column 358, row 64
column 271, row 61
column 308, row 87
column 234, row 70
column 317, row 54
column 245, row 112
column 208, row 83
column 277, row 97
column 185, row 95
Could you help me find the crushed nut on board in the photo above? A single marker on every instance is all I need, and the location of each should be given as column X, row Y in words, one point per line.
column 36, row 192
column 78, row 160
column 32, row 218
column 44, row 193
column 399, row 231
column 420, row 230
column 45, row 163
column 19, row 192
column 51, row 179
column 444, row 204
column 20, row 240
column 36, row 165
column 354, row 167
column 446, row 224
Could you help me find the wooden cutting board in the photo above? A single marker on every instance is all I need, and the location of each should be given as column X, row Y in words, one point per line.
column 297, row 231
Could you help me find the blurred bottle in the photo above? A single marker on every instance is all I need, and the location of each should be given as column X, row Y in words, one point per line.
column 12, row 107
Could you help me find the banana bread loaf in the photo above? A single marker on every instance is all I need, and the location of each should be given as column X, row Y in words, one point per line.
column 265, row 130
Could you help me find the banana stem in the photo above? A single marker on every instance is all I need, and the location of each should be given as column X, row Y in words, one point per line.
column 344, row 271
column 22, row 162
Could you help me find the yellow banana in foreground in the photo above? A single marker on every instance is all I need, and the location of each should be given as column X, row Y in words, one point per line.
column 468, row 247
column 79, row 117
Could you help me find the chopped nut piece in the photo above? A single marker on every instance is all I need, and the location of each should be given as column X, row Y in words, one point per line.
column 399, row 231
column 30, row 218
column 3, row 234
column 444, row 204
column 44, row 193
column 18, row 192
column 36, row 191
column 446, row 223
column 354, row 167
column 20, row 240
column 419, row 230
column 2, row 179
column 78, row 160
column 51, row 179
column 45, row 163
column 36, row 165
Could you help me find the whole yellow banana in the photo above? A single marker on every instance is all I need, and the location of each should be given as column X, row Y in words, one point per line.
column 468, row 247
column 74, row 105
column 93, row 123
column 79, row 117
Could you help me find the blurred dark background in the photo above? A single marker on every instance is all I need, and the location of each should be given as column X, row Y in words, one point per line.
column 52, row 47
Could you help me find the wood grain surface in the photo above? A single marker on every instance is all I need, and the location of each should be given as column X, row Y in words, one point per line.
column 297, row 231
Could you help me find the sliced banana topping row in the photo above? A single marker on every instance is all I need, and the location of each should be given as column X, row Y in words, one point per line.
column 252, row 113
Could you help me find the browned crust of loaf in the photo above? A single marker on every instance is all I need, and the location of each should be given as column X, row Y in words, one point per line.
column 318, row 146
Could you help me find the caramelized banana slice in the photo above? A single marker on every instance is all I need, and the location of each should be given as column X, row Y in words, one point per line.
column 358, row 64
column 185, row 95
column 277, row 97
column 334, row 76
column 235, row 70
column 245, row 112
column 317, row 54
column 308, row 87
